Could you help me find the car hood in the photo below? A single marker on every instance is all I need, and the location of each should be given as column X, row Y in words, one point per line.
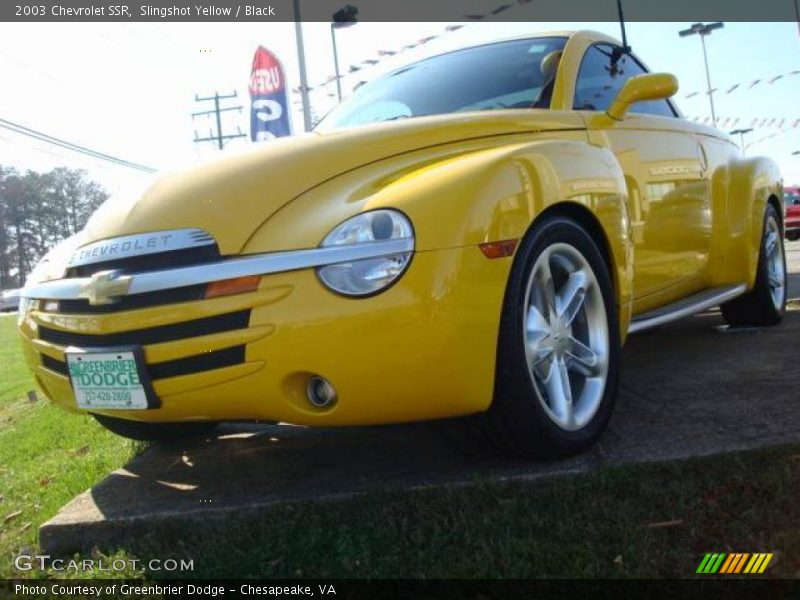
column 232, row 196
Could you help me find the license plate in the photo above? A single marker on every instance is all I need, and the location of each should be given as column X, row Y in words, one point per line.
column 110, row 379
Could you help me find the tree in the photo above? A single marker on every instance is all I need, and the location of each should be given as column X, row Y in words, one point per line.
column 37, row 210
column 5, row 239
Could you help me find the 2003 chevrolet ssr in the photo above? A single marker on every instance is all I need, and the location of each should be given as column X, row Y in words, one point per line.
column 474, row 234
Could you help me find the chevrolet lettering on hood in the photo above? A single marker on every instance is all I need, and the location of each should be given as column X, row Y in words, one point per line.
column 439, row 246
column 137, row 245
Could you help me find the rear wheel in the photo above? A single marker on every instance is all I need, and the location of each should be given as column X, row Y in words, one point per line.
column 153, row 432
column 766, row 302
column 558, row 348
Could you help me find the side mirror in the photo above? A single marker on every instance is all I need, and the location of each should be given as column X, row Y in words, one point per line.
column 651, row 86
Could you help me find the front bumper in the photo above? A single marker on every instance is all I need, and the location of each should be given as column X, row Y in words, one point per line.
column 423, row 349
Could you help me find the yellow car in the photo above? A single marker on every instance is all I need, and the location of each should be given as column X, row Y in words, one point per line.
column 474, row 234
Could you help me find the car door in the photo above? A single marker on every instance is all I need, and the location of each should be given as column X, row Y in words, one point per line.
column 665, row 169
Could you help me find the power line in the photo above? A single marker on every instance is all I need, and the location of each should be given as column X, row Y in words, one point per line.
column 52, row 151
column 43, row 137
column 37, row 148
column 217, row 111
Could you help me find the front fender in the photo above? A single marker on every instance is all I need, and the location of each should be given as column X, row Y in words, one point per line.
column 469, row 194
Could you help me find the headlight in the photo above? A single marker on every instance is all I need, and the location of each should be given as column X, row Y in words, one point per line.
column 53, row 265
column 45, row 270
column 25, row 307
column 371, row 275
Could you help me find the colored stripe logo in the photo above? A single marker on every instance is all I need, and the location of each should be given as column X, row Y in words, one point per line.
column 733, row 563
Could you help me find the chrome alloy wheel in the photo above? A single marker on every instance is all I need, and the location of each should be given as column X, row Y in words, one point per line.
column 566, row 336
column 776, row 270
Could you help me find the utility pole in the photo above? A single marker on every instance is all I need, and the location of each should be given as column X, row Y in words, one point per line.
column 704, row 30
column 217, row 137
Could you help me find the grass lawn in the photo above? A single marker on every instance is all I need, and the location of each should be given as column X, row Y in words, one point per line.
column 652, row 520
column 632, row 521
column 47, row 456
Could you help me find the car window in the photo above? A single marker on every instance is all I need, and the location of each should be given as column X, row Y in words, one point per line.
column 599, row 81
column 490, row 77
column 792, row 199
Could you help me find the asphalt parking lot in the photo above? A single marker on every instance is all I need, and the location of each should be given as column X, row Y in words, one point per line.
column 690, row 389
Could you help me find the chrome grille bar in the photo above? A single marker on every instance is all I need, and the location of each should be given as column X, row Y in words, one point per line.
column 117, row 283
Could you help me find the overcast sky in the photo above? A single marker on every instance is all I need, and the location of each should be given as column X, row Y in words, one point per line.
column 128, row 89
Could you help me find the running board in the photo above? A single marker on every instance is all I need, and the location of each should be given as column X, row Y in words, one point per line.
column 686, row 307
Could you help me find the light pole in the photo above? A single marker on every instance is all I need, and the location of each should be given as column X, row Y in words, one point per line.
column 741, row 133
column 797, row 14
column 344, row 17
column 301, row 59
column 704, row 30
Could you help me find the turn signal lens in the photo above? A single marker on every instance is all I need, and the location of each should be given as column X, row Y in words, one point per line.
column 499, row 249
column 227, row 287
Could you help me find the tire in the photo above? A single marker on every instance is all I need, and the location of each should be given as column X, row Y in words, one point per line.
column 153, row 432
column 531, row 415
column 765, row 304
column 793, row 235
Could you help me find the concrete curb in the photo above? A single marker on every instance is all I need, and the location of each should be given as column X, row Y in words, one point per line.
column 692, row 389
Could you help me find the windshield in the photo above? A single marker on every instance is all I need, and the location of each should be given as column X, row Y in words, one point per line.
column 517, row 74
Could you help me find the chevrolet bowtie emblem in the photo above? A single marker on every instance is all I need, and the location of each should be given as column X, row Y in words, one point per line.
column 104, row 287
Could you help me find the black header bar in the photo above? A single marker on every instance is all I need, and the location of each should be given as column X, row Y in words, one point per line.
column 397, row 10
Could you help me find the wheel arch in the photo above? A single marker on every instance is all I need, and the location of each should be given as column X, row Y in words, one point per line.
column 776, row 204
column 584, row 217
column 618, row 268
column 754, row 184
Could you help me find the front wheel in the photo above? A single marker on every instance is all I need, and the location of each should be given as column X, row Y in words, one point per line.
column 558, row 348
column 153, row 432
column 766, row 302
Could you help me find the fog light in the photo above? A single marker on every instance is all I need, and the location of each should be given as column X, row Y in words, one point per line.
column 320, row 392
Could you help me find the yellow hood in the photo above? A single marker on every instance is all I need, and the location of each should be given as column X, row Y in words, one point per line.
column 231, row 197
